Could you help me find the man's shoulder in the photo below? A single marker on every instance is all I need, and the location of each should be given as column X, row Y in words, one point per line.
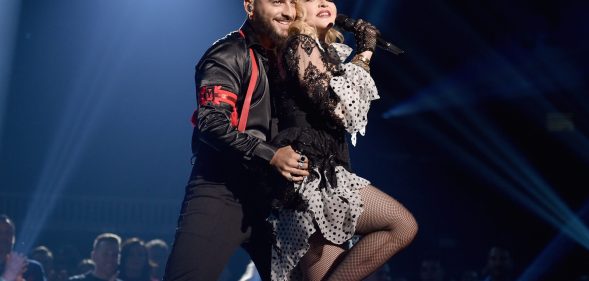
column 232, row 43
column 34, row 271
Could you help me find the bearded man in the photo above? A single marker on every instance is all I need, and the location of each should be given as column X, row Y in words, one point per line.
column 224, row 206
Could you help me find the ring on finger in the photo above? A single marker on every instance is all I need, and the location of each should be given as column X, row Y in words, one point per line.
column 303, row 158
column 290, row 177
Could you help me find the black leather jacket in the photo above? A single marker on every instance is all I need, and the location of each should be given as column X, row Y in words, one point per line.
column 227, row 64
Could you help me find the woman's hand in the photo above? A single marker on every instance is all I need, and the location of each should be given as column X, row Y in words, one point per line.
column 366, row 35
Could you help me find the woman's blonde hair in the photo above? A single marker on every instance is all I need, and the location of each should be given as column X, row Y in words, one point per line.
column 299, row 26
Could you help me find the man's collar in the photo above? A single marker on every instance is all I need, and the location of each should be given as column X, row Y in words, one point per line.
column 251, row 37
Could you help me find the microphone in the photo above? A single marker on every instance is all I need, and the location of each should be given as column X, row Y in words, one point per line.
column 347, row 24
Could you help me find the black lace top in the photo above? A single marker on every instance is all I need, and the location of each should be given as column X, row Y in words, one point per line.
column 304, row 103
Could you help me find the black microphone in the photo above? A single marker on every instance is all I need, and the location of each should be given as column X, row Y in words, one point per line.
column 347, row 24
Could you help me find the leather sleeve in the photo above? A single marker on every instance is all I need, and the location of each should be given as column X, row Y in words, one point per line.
column 224, row 65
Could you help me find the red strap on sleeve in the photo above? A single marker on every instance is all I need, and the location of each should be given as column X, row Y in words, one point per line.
column 219, row 95
column 250, row 90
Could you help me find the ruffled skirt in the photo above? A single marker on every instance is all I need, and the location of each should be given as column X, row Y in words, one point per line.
column 327, row 201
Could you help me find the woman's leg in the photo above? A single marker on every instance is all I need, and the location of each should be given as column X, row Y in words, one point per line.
column 386, row 226
column 316, row 263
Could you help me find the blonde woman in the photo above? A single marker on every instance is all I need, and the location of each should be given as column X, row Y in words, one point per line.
column 319, row 100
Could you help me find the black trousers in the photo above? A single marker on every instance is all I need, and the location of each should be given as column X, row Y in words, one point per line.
column 216, row 218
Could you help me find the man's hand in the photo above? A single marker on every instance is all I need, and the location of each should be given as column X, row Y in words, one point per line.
column 16, row 265
column 290, row 164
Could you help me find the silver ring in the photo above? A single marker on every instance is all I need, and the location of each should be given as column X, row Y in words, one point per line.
column 302, row 158
column 300, row 166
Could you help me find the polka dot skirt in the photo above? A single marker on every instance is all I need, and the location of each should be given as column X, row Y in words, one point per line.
column 334, row 211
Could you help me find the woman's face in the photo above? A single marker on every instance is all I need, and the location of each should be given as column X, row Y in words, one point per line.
column 320, row 14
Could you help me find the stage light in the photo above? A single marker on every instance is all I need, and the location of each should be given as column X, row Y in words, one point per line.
column 552, row 253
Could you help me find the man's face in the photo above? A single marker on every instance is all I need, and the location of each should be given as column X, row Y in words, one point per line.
column 272, row 18
column 106, row 257
column 6, row 239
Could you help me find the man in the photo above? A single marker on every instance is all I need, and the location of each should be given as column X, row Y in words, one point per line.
column 44, row 256
column 15, row 266
column 158, row 252
column 224, row 207
column 105, row 255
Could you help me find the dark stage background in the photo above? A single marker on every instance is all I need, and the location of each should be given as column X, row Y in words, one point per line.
column 481, row 130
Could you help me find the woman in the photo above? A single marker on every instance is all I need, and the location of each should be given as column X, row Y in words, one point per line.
column 318, row 99
column 134, row 261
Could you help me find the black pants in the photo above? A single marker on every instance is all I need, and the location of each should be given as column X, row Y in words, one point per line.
column 217, row 218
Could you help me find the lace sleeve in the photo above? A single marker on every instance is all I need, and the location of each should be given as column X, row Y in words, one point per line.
column 306, row 62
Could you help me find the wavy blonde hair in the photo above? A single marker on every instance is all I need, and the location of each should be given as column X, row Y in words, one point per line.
column 299, row 26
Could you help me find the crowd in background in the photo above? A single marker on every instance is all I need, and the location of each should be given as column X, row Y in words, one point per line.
column 132, row 259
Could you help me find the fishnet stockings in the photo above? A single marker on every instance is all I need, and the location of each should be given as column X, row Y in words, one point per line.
column 386, row 226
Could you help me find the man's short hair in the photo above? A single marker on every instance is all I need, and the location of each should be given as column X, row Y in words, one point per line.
column 5, row 218
column 158, row 243
column 107, row 237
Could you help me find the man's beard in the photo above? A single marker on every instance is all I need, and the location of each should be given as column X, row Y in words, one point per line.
column 264, row 27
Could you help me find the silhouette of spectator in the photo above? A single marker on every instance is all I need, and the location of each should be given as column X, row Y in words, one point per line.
column 431, row 269
column 85, row 266
column 105, row 255
column 15, row 266
column 44, row 256
column 499, row 265
column 134, row 261
column 158, row 252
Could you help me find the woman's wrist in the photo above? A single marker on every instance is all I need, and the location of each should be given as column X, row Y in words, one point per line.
column 362, row 61
column 367, row 54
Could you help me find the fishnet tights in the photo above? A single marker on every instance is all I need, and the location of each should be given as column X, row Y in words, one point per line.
column 386, row 226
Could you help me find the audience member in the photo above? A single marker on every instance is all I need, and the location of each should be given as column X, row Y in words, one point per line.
column 105, row 255
column 43, row 255
column 158, row 252
column 134, row 261
column 15, row 266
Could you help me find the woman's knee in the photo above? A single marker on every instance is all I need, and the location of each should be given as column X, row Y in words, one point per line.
column 403, row 227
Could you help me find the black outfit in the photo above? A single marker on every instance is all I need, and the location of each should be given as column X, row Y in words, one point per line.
column 224, row 207
column 305, row 107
